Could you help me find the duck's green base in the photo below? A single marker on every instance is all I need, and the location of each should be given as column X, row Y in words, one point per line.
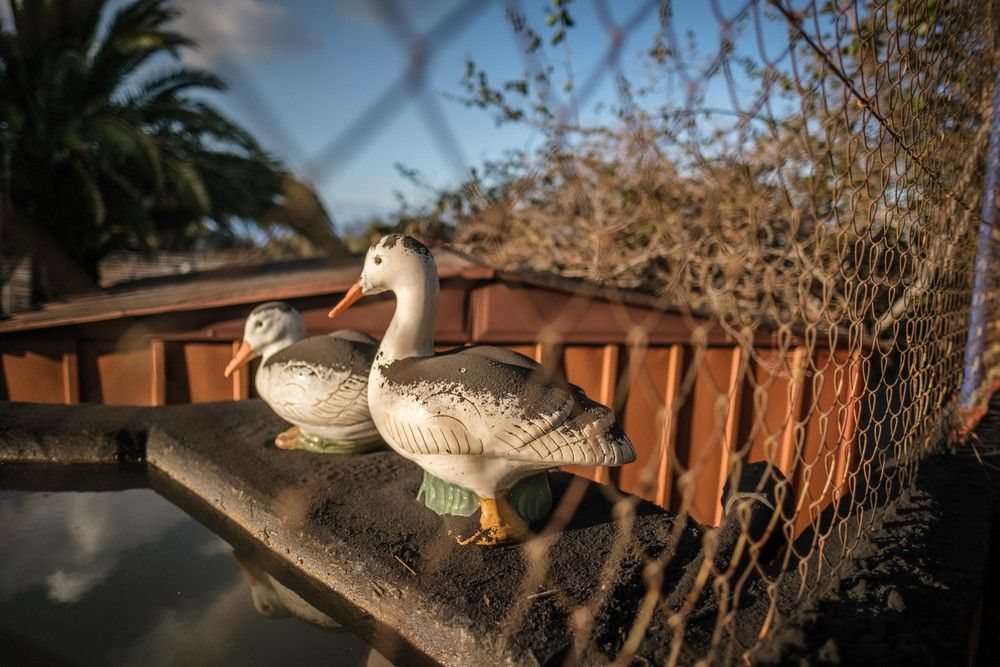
column 320, row 445
column 531, row 497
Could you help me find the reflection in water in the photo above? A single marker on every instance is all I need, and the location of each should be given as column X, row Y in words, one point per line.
column 275, row 600
column 68, row 543
column 127, row 578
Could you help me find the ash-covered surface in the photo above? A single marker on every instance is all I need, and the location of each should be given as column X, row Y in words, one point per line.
column 69, row 434
column 352, row 522
column 359, row 546
column 347, row 350
column 367, row 551
column 912, row 592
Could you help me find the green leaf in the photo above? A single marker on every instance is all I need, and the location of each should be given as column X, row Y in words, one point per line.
column 91, row 192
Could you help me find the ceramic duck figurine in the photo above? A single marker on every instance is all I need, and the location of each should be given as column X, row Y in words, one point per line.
column 319, row 384
column 479, row 417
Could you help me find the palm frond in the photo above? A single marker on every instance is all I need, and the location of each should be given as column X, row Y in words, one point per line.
column 207, row 121
column 105, row 156
column 135, row 34
column 301, row 210
column 166, row 86
column 188, row 184
column 129, row 143
column 39, row 24
column 91, row 192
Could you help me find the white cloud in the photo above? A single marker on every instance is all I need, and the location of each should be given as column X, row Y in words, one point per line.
column 213, row 546
column 196, row 635
column 359, row 11
column 68, row 587
column 241, row 30
column 204, row 634
column 70, row 542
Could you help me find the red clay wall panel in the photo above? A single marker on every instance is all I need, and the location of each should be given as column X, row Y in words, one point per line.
column 776, row 393
column 502, row 313
column 195, row 372
column 116, row 374
column 38, row 371
column 713, row 410
column 595, row 370
column 830, row 434
column 643, row 418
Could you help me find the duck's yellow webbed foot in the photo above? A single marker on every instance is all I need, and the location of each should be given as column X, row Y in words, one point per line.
column 499, row 522
column 287, row 439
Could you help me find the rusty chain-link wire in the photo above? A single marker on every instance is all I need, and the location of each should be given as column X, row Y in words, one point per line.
column 807, row 181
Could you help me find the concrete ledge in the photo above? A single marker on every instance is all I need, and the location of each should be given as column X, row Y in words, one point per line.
column 68, row 434
column 352, row 525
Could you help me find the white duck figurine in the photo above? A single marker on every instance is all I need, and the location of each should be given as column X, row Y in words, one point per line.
column 320, row 384
column 479, row 417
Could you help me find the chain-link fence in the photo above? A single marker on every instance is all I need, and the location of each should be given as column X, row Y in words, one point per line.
column 809, row 177
column 804, row 185
column 813, row 184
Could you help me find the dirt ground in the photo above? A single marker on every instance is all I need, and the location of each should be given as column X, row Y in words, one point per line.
column 923, row 578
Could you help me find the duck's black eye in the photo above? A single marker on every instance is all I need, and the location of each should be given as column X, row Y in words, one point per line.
column 259, row 324
column 377, row 259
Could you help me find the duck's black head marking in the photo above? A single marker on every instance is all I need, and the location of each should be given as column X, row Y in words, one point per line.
column 414, row 245
column 408, row 242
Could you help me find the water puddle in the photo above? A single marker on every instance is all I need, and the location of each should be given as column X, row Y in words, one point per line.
column 122, row 576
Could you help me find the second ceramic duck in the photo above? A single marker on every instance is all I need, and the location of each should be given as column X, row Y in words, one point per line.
column 479, row 417
column 320, row 384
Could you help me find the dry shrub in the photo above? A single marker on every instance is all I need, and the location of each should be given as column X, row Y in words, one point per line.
column 832, row 201
column 615, row 210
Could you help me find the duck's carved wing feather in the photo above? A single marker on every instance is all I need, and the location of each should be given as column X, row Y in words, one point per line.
column 322, row 380
column 441, row 434
column 310, row 395
column 492, row 401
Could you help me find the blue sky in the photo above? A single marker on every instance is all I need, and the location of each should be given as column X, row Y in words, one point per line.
column 304, row 74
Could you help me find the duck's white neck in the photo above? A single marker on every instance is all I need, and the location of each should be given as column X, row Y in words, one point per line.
column 411, row 332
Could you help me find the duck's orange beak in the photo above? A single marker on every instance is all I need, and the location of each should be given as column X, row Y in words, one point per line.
column 352, row 295
column 242, row 357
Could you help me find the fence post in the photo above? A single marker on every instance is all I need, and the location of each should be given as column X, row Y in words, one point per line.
column 978, row 310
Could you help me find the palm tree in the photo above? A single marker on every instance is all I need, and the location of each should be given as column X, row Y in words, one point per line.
column 100, row 150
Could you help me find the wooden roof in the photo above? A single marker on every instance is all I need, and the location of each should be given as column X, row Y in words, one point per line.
column 211, row 289
column 256, row 283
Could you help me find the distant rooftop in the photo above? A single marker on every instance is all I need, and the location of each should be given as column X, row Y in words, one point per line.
column 226, row 286
column 125, row 266
column 238, row 284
